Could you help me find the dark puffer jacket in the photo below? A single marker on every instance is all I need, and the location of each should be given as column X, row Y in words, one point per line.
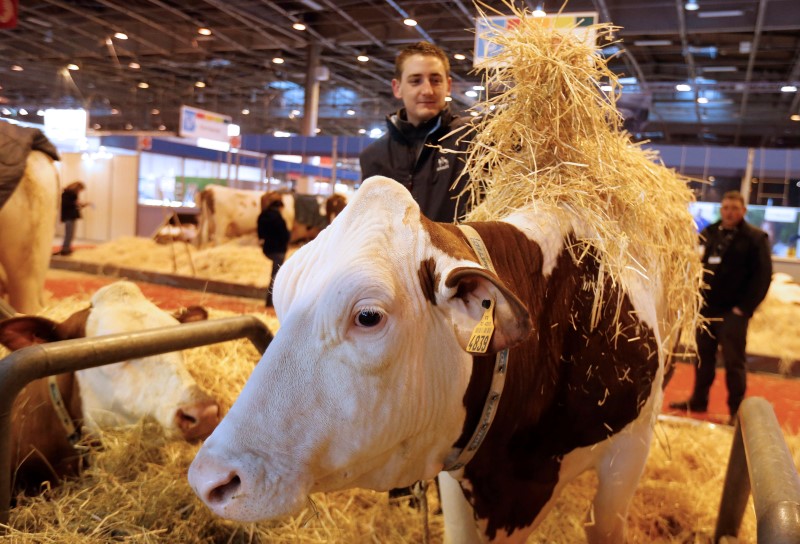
column 411, row 156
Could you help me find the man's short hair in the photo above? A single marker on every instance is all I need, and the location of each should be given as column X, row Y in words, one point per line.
column 420, row 48
column 734, row 195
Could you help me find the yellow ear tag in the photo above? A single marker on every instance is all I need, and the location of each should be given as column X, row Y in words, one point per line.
column 482, row 333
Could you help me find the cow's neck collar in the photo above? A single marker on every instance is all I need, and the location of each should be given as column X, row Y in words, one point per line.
column 73, row 433
column 461, row 456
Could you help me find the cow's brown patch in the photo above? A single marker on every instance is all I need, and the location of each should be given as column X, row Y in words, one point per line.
column 568, row 386
column 428, row 279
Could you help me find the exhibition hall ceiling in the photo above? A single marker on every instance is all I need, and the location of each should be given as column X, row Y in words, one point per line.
column 740, row 59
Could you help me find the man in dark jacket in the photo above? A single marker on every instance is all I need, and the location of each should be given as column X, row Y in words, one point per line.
column 410, row 150
column 737, row 273
column 274, row 234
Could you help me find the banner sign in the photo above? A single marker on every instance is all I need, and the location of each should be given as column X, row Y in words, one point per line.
column 578, row 24
column 9, row 9
column 197, row 123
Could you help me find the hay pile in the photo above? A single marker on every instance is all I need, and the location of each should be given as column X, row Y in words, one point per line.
column 237, row 261
column 554, row 142
column 136, row 489
column 773, row 331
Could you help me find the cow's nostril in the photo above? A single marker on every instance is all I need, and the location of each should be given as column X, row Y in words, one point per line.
column 225, row 492
column 196, row 421
column 185, row 419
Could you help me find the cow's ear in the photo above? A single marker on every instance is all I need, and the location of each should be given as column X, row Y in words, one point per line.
column 27, row 330
column 191, row 314
column 465, row 290
column 74, row 326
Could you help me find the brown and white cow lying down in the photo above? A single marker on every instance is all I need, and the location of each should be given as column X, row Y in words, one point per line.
column 368, row 384
column 118, row 394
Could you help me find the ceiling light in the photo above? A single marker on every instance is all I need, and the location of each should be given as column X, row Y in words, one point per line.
column 72, row 67
column 606, row 88
column 721, row 13
column 204, row 31
column 317, row 130
column 471, row 94
column 114, row 111
column 120, row 36
column 299, row 26
column 351, row 112
column 691, row 5
column 96, row 126
column 478, row 88
column 162, row 127
column 155, row 111
column 795, row 117
column 199, row 84
column 702, row 100
column 789, row 89
column 295, row 112
column 23, row 111
column 128, row 126
column 539, row 11
column 362, row 58
column 362, row 131
column 448, row 98
column 5, row 111
column 651, row 43
column 719, row 68
column 40, row 113
column 143, row 85
column 17, row 68
column 245, row 112
column 473, row 113
column 409, row 22
column 683, row 87
column 459, row 56
column 134, row 65
column 278, row 60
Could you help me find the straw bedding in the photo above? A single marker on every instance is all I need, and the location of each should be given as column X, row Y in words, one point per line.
column 551, row 140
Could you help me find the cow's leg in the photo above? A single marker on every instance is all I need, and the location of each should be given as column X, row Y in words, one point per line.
column 459, row 519
column 618, row 472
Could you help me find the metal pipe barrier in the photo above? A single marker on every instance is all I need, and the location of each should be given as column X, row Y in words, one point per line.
column 31, row 363
column 760, row 460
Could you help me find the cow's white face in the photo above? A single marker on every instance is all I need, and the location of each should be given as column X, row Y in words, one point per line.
column 157, row 386
column 363, row 385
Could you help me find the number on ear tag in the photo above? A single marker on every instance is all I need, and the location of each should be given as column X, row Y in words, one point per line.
column 482, row 333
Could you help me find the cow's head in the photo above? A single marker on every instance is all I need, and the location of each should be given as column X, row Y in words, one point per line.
column 363, row 385
column 159, row 386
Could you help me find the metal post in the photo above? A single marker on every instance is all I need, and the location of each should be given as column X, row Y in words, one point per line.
column 38, row 361
column 772, row 475
column 735, row 491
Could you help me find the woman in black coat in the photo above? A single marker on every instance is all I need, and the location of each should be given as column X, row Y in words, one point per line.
column 273, row 233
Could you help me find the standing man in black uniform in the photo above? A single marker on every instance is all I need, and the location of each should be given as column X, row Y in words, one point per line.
column 409, row 152
column 737, row 273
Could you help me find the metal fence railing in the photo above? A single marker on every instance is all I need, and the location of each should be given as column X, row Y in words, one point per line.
column 760, row 461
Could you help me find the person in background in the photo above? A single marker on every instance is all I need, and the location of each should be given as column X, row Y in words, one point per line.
column 737, row 273
column 71, row 206
column 274, row 234
column 409, row 151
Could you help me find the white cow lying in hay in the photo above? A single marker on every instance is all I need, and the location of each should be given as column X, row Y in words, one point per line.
column 27, row 218
column 159, row 386
column 369, row 383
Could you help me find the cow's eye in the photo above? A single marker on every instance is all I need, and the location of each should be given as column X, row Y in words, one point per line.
column 368, row 318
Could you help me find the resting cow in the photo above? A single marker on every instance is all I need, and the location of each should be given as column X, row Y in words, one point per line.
column 227, row 213
column 368, row 382
column 28, row 206
column 122, row 393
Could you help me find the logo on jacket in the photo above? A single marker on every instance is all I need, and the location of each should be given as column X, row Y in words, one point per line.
column 442, row 164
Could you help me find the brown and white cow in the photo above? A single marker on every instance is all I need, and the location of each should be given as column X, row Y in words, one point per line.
column 368, row 382
column 27, row 225
column 118, row 394
column 227, row 213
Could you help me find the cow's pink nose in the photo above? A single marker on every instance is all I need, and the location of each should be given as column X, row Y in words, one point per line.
column 197, row 421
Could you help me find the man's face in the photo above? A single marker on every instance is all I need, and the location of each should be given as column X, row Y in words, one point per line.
column 422, row 88
column 732, row 212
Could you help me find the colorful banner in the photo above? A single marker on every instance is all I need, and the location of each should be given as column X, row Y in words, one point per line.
column 9, row 9
column 578, row 24
column 197, row 123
